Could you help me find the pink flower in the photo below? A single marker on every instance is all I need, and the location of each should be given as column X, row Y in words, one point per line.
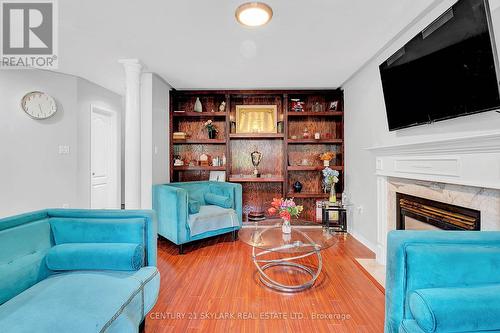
column 285, row 215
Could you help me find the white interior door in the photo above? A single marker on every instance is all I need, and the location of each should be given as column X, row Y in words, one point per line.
column 103, row 159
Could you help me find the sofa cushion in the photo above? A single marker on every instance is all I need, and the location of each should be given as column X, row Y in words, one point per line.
column 464, row 309
column 98, row 230
column 218, row 200
column 194, row 206
column 211, row 218
column 95, row 256
column 22, row 256
column 410, row 326
column 84, row 301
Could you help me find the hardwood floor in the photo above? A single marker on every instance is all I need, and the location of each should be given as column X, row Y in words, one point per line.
column 214, row 287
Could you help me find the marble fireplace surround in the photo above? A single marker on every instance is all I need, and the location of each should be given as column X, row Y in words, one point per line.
column 463, row 171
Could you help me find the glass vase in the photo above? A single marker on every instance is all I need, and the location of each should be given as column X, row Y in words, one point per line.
column 286, row 227
column 333, row 195
column 212, row 134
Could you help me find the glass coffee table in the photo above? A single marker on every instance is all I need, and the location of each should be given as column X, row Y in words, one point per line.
column 305, row 240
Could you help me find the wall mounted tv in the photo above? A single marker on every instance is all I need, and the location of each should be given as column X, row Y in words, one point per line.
column 447, row 70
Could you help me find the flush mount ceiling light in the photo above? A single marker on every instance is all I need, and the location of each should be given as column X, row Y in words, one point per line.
column 253, row 14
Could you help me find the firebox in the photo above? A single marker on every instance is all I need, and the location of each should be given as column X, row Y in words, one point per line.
column 420, row 214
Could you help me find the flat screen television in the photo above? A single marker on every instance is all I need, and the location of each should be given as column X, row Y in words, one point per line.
column 446, row 71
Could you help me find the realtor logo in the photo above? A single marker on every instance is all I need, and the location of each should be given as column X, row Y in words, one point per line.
column 29, row 34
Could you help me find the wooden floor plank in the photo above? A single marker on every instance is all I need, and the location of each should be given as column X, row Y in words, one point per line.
column 214, row 287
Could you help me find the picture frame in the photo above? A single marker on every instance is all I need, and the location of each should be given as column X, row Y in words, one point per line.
column 217, row 176
column 333, row 106
column 257, row 119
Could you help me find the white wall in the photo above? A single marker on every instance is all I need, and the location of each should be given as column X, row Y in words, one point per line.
column 366, row 126
column 154, row 135
column 89, row 94
column 33, row 175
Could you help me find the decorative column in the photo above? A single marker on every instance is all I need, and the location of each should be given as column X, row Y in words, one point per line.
column 382, row 207
column 132, row 133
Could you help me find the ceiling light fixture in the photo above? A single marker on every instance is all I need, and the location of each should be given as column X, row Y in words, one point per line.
column 253, row 14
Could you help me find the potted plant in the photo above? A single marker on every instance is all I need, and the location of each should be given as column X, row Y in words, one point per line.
column 211, row 128
column 286, row 208
column 327, row 157
column 330, row 178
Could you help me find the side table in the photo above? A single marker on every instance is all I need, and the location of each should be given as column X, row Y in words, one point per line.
column 341, row 224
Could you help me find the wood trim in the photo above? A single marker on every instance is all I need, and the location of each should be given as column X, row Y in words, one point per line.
column 313, row 141
column 256, row 135
column 316, row 114
column 256, row 180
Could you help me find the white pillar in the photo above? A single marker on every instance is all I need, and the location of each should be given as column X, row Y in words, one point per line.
column 382, row 208
column 133, row 70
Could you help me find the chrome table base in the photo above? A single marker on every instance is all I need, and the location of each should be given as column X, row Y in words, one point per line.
column 288, row 262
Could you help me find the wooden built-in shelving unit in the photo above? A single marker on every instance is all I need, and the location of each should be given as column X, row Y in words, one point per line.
column 282, row 159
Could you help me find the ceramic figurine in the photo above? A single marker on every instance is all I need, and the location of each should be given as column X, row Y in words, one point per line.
column 297, row 186
column 197, row 105
column 222, row 107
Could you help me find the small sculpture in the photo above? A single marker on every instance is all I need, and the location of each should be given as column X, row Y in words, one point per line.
column 197, row 105
column 256, row 158
column 222, row 107
column 297, row 186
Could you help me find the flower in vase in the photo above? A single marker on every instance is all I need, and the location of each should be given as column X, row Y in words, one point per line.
column 330, row 177
column 286, row 208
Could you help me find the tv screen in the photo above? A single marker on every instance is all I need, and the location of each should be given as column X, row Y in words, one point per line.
column 447, row 70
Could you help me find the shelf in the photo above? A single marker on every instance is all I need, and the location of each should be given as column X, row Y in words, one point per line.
column 199, row 168
column 313, row 141
column 199, row 114
column 256, row 180
column 316, row 114
column 306, row 195
column 314, row 168
column 199, row 141
column 256, row 136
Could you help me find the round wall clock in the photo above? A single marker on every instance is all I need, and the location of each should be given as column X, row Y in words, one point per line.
column 39, row 105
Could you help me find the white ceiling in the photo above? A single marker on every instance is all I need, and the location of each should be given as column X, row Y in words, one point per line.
column 198, row 43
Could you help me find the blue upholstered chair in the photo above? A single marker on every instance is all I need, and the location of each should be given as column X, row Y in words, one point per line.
column 443, row 281
column 196, row 210
column 77, row 271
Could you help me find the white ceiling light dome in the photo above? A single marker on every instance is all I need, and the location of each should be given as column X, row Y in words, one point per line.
column 253, row 14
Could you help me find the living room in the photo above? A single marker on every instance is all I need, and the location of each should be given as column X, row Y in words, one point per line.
column 189, row 166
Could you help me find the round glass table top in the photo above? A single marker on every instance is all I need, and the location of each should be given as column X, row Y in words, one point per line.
column 302, row 239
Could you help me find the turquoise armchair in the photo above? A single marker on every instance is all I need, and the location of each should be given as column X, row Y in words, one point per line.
column 175, row 223
column 443, row 281
column 105, row 288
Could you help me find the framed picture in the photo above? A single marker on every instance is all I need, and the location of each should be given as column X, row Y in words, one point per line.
column 333, row 106
column 217, row 176
column 256, row 119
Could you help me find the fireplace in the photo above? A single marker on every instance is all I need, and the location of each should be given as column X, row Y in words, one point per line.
column 417, row 213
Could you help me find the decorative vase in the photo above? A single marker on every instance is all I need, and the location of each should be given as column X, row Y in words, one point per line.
column 297, row 186
column 197, row 105
column 212, row 134
column 333, row 195
column 286, row 227
column 326, row 163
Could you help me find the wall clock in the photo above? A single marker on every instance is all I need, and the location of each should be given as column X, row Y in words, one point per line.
column 39, row 105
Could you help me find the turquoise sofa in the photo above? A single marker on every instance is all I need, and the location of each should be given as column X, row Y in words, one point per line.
column 173, row 202
column 77, row 271
column 443, row 281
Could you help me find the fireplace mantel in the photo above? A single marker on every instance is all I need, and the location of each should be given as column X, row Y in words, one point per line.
column 468, row 161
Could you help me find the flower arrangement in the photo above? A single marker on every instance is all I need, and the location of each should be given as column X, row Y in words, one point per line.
column 211, row 128
column 326, row 157
column 330, row 178
column 286, row 208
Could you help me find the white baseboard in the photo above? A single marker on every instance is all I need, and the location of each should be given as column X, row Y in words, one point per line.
column 363, row 241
